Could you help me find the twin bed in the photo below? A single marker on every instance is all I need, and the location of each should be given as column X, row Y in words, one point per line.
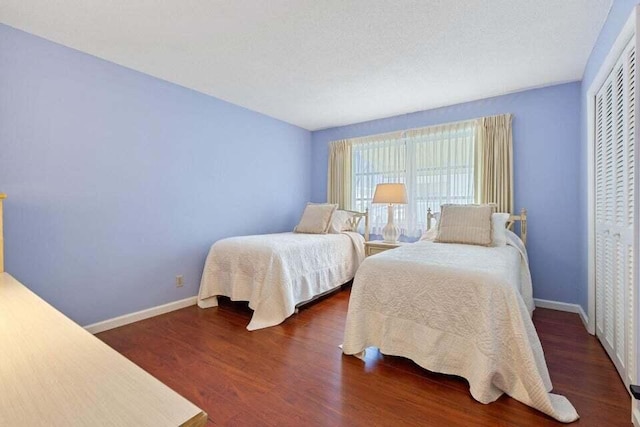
column 276, row 273
column 452, row 308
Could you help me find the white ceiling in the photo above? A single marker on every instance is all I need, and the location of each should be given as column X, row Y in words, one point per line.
column 324, row 63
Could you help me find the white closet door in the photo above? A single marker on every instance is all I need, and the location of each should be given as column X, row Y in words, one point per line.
column 614, row 212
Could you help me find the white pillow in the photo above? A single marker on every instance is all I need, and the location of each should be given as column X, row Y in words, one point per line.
column 499, row 228
column 431, row 233
column 339, row 221
column 316, row 218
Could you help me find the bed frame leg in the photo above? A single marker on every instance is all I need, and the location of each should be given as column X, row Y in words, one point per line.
column 296, row 311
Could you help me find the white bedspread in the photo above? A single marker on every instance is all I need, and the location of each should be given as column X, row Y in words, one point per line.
column 275, row 272
column 456, row 309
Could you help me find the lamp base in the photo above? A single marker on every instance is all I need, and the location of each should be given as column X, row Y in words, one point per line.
column 390, row 232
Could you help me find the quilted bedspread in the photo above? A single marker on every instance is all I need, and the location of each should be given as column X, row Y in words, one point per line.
column 275, row 272
column 460, row 310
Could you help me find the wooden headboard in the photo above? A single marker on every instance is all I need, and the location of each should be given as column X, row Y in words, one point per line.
column 510, row 223
column 2, row 197
column 355, row 219
column 523, row 224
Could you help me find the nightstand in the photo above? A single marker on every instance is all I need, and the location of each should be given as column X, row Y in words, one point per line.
column 373, row 247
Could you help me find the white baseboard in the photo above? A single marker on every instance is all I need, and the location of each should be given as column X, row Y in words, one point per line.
column 126, row 319
column 563, row 306
column 556, row 305
column 584, row 318
column 116, row 322
column 635, row 413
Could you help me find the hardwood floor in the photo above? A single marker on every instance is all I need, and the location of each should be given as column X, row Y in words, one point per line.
column 295, row 374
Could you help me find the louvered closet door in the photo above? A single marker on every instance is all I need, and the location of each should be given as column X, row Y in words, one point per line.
column 614, row 213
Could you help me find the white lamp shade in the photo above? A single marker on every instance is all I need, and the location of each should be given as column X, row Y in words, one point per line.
column 390, row 193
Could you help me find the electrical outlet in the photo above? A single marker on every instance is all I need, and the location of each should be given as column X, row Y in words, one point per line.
column 179, row 281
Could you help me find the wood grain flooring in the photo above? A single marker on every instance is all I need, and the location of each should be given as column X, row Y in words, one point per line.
column 294, row 374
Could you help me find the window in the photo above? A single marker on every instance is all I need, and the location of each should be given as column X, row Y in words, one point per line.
column 436, row 164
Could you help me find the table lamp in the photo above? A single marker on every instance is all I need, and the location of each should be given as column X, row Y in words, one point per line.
column 391, row 194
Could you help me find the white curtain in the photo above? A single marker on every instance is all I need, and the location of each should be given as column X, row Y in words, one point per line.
column 377, row 160
column 435, row 163
column 444, row 168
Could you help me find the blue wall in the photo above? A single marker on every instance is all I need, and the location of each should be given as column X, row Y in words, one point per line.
column 546, row 144
column 118, row 181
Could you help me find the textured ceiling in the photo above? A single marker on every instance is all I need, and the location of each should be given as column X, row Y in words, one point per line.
column 324, row 63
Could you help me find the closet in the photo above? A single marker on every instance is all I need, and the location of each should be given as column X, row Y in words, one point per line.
column 615, row 212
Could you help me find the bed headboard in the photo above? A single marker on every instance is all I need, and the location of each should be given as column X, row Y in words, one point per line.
column 354, row 222
column 2, row 197
column 510, row 223
column 523, row 224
